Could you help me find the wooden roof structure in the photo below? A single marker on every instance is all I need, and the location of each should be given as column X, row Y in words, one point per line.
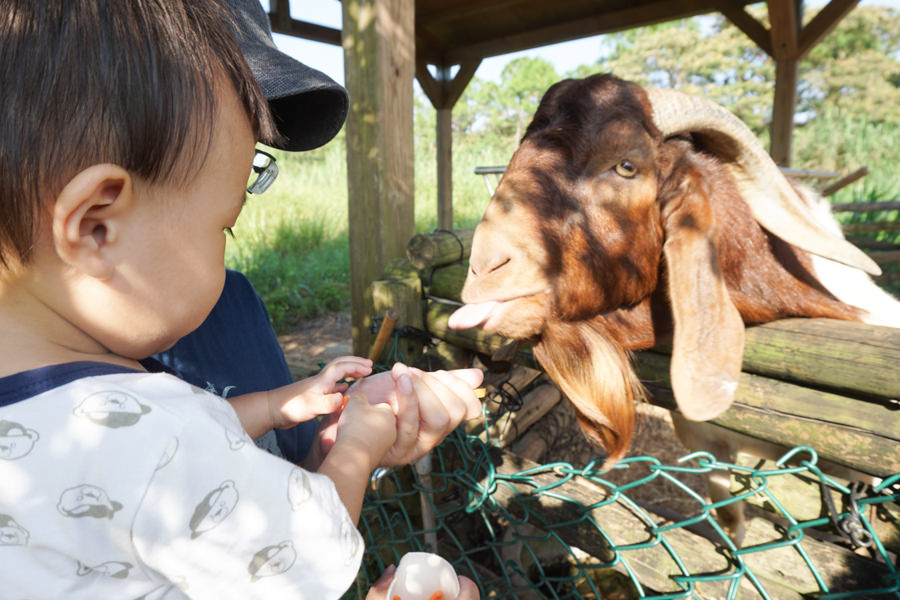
column 387, row 43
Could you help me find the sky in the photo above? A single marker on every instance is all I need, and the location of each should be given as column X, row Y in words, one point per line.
column 330, row 59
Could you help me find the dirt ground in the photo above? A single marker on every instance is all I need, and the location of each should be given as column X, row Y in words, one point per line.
column 317, row 341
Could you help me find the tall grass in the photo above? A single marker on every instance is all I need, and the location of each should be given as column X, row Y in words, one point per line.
column 292, row 242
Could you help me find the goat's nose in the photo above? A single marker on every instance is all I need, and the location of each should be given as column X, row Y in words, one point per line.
column 485, row 267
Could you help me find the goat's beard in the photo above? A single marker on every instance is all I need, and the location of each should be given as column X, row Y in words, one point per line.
column 596, row 374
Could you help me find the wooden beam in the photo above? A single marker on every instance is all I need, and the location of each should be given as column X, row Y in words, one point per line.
column 429, row 84
column 379, row 66
column 734, row 11
column 785, row 18
column 456, row 86
column 282, row 12
column 281, row 22
column 444, row 168
column 822, row 24
column 457, row 10
column 783, row 108
column 600, row 22
column 443, row 91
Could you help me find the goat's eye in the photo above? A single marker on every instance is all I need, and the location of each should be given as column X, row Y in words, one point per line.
column 626, row 169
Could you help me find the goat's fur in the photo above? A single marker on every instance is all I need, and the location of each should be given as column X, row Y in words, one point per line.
column 604, row 236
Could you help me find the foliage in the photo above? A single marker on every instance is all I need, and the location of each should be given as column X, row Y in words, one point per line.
column 854, row 69
column 503, row 108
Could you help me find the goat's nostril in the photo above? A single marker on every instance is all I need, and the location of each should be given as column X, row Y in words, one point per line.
column 502, row 263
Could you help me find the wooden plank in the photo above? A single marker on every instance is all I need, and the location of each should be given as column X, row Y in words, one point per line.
column 443, row 91
column 447, row 281
column 428, row 250
column 872, row 227
column 844, row 181
column 429, row 84
column 537, row 403
column 886, row 257
column 845, row 356
column 847, row 431
column 601, row 22
column 379, row 54
column 461, row 80
column 865, row 206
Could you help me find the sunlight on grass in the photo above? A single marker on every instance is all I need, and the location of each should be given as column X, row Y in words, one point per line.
column 291, row 242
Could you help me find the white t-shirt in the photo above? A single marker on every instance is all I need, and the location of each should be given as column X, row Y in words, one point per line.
column 121, row 484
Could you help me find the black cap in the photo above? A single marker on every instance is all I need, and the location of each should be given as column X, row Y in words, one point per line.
column 309, row 107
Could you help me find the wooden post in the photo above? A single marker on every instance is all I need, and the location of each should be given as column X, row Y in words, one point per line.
column 786, row 18
column 443, row 91
column 445, row 168
column 786, row 42
column 379, row 66
column 783, row 111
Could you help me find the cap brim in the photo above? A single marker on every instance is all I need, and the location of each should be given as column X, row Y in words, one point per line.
column 309, row 107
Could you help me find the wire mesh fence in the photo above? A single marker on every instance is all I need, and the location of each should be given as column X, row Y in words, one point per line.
column 558, row 530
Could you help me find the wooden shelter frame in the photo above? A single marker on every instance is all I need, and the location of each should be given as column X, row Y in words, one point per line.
column 387, row 43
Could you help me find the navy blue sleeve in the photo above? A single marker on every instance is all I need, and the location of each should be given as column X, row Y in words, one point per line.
column 235, row 351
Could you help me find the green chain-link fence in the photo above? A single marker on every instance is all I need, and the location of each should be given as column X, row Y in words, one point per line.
column 557, row 530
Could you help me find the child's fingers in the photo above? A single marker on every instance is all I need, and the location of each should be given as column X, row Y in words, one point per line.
column 347, row 366
column 298, row 411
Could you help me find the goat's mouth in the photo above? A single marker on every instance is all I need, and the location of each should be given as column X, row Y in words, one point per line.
column 513, row 317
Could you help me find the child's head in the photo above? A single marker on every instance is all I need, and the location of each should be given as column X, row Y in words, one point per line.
column 126, row 136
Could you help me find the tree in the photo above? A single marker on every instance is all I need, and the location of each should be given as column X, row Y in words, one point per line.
column 505, row 107
column 855, row 70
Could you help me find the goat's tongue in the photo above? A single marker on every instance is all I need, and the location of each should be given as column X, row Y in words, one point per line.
column 471, row 315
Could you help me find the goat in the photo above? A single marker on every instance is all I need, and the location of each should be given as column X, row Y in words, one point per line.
column 630, row 216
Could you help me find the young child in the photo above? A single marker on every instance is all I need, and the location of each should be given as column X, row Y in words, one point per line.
column 126, row 134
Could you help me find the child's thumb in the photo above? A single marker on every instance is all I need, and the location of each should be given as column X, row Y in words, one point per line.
column 324, row 404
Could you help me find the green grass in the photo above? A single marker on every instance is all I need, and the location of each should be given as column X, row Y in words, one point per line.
column 292, row 242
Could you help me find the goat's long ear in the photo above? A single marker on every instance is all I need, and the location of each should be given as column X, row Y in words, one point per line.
column 708, row 340
column 775, row 204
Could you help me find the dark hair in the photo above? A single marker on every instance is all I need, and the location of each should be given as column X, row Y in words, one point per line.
column 129, row 82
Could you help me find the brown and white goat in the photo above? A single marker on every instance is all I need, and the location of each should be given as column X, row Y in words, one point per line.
column 630, row 216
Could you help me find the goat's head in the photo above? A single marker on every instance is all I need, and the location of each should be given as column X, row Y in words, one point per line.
column 605, row 195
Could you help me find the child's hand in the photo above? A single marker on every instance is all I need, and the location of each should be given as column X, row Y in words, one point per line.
column 428, row 407
column 320, row 394
column 367, row 425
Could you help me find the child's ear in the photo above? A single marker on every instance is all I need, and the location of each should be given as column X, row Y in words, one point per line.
column 88, row 218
